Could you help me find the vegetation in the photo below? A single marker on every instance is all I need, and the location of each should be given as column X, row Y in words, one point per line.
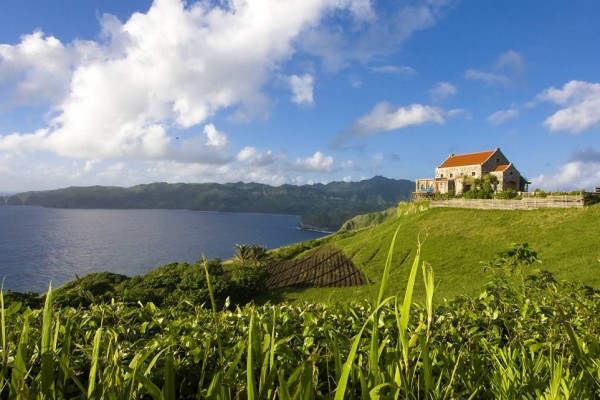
column 456, row 241
column 480, row 188
column 537, row 341
column 164, row 286
column 320, row 206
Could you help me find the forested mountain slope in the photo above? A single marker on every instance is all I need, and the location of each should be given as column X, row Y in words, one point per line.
column 322, row 206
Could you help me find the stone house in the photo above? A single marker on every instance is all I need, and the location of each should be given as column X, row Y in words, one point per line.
column 457, row 173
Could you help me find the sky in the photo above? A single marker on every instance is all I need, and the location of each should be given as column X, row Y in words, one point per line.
column 113, row 92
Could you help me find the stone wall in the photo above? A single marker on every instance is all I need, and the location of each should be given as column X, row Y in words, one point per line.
column 526, row 203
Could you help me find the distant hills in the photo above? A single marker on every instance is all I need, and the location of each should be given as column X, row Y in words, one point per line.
column 321, row 206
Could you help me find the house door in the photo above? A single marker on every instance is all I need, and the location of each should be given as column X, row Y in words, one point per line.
column 511, row 185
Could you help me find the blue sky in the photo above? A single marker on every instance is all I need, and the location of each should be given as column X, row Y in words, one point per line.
column 298, row 91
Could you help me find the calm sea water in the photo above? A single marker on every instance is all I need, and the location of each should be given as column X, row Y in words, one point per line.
column 39, row 245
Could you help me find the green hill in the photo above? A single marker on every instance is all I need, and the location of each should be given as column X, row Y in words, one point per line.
column 322, row 206
column 456, row 241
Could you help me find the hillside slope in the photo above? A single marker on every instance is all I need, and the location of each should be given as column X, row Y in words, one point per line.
column 456, row 241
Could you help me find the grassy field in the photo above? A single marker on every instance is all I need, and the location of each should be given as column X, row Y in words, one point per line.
column 456, row 242
column 538, row 340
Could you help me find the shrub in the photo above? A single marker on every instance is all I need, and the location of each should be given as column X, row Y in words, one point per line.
column 507, row 194
column 248, row 282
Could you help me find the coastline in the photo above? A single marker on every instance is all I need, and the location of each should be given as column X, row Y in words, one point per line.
column 307, row 227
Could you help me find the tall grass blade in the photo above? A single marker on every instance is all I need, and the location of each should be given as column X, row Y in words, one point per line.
column 3, row 371
column 69, row 372
column 404, row 311
column 169, row 387
column 250, row 385
column 150, row 387
column 428, row 280
column 214, row 312
column 19, row 369
column 427, row 367
column 46, row 350
column 94, row 366
column 347, row 368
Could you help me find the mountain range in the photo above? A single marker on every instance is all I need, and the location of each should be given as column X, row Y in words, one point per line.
column 320, row 206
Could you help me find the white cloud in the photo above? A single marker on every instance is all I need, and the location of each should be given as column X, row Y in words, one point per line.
column 338, row 44
column 318, row 162
column 511, row 62
column 377, row 157
column 441, row 90
column 457, row 112
column 302, row 89
column 384, row 118
column 574, row 175
column 115, row 103
column 36, row 70
column 252, row 156
column 490, row 78
column 502, row 116
column 208, row 148
column 393, row 69
column 214, row 137
column 89, row 165
column 174, row 65
column 509, row 67
column 581, row 106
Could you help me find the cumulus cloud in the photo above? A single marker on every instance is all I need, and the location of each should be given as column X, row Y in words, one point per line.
column 441, row 90
column 509, row 67
column 214, row 137
column 318, row 162
column 502, row 116
column 574, row 175
column 384, row 117
column 35, row 70
column 210, row 147
column 176, row 68
column 172, row 66
column 581, row 106
column 302, row 89
column 252, row 156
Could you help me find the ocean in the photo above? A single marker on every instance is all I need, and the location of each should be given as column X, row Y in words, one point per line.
column 43, row 245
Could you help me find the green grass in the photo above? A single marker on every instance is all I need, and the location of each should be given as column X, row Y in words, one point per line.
column 456, row 241
column 537, row 340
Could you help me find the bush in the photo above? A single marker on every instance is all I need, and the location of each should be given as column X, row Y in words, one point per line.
column 507, row 194
column 248, row 282
column 93, row 288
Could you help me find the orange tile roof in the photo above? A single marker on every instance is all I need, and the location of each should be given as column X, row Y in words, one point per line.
column 461, row 160
column 501, row 168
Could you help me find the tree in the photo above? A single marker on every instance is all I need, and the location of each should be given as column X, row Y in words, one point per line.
column 253, row 255
column 242, row 253
column 258, row 254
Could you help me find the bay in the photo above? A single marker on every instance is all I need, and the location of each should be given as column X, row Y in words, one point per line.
column 39, row 245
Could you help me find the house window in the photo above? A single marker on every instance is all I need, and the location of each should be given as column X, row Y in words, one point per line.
column 442, row 175
column 472, row 173
column 497, row 161
column 511, row 172
column 451, row 175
